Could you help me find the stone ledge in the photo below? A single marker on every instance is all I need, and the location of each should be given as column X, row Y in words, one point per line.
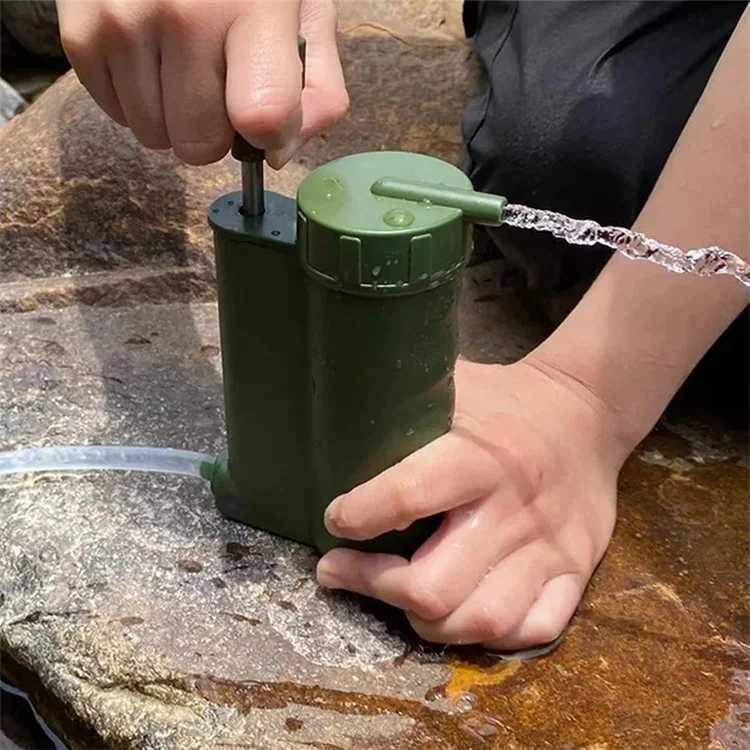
column 110, row 289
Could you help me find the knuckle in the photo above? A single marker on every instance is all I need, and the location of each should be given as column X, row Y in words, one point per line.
column 587, row 552
column 77, row 43
column 426, row 602
column 579, row 551
column 409, row 498
column 271, row 110
column 118, row 26
column 180, row 16
column 487, row 624
column 338, row 108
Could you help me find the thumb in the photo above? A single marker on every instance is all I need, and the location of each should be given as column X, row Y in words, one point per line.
column 264, row 74
column 324, row 100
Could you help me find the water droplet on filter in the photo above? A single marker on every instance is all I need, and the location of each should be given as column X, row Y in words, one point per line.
column 430, row 406
column 331, row 186
column 410, row 432
column 399, row 364
column 372, row 421
column 398, row 217
column 426, row 202
column 376, row 270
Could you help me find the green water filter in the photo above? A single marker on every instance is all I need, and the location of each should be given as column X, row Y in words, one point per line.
column 339, row 335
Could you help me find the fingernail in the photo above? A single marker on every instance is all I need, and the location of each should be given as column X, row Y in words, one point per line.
column 331, row 517
column 280, row 157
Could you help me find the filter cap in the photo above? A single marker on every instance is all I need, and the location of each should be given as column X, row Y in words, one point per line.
column 361, row 242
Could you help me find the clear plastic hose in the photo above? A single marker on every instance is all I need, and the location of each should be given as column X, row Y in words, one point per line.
column 106, row 458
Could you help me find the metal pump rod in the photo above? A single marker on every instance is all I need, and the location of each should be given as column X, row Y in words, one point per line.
column 253, row 203
column 253, row 198
column 253, row 191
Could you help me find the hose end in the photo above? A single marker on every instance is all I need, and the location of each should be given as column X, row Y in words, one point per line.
column 207, row 468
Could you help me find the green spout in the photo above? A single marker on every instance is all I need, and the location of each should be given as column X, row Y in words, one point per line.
column 481, row 208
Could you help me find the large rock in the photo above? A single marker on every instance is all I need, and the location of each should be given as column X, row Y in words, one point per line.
column 138, row 618
column 409, row 21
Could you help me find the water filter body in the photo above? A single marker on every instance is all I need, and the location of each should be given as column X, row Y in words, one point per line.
column 339, row 333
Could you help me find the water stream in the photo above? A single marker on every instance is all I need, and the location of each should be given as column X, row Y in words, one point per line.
column 707, row 261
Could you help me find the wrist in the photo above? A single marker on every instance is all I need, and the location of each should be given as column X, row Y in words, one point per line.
column 615, row 359
column 620, row 420
column 636, row 336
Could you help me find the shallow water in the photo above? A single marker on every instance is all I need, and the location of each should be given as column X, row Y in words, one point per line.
column 21, row 728
column 707, row 261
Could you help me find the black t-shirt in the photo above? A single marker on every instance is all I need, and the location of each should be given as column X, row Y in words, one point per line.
column 585, row 100
column 581, row 107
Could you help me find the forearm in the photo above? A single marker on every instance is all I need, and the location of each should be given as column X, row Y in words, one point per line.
column 640, row 330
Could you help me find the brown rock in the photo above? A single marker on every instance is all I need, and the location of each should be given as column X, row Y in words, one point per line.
column 82, row 196
column 414, row 20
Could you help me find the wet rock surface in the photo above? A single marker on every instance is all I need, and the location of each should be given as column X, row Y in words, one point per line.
column 137, row 617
